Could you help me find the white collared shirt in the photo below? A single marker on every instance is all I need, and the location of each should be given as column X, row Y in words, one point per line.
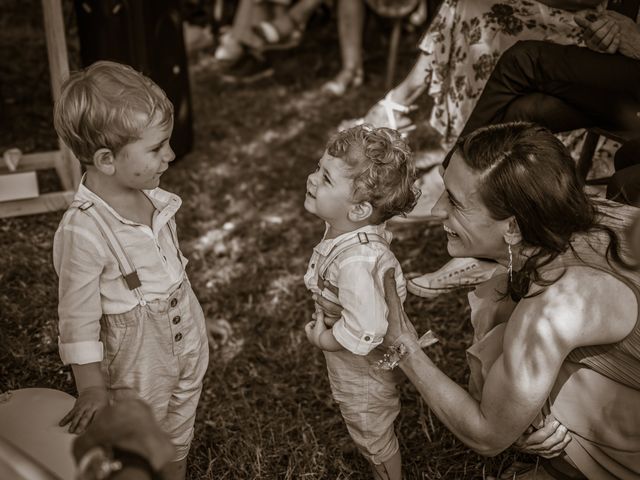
column 90, row 281
column 358, row 275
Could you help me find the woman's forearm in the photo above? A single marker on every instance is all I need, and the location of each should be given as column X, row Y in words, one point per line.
column 454, row 406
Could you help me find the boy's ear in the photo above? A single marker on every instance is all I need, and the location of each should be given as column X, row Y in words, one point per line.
column 360, row 212
column 512, row 236
column 103, row 161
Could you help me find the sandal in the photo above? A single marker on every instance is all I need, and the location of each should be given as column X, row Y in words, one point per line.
column 390, row 107
column 348, row 77
column 229, row 49
column 279, row 34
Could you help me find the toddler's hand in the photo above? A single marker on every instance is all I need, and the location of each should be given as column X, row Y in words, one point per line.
column 331, row 311
column 89, row 402
column 315, row 328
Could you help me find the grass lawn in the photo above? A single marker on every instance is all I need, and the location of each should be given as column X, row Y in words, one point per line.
column 266, row 411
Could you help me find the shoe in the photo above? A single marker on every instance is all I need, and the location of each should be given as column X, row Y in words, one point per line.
column 348, row 77
column 280, row 34
column 196, row 37
column 229, row 49
column 383, row 114
column 457, row 273
column 419, row 15
column 249, row 69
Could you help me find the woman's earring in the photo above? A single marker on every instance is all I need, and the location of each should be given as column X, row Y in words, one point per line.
column 510, row 268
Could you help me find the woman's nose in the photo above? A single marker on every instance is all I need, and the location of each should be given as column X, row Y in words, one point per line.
column 439, row 210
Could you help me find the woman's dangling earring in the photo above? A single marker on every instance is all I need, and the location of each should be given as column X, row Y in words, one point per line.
column 510, row 268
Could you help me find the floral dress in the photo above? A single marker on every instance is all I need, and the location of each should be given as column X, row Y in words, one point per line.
column 465, row 41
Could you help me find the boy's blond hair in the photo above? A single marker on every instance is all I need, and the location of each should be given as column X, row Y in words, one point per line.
column 382, row 169
column 107, row 105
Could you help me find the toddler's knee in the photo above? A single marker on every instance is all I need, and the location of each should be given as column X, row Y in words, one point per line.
column 379, row 453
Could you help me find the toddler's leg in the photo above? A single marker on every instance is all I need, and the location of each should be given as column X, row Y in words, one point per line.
column 369, row 403
column 389, row 470
column 175, row 470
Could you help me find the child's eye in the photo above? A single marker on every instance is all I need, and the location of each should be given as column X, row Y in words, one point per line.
column 326, row 179
column 157, row 149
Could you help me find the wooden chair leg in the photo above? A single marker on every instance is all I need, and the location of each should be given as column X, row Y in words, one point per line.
column 393, row 52
column 586, row 154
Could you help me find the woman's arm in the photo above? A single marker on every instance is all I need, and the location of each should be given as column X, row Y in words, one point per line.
column 540, row 333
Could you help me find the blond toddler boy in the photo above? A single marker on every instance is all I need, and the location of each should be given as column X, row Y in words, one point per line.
column 129, row 321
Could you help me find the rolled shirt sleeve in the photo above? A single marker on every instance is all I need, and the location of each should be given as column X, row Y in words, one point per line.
column 363, row 323
column 78, row 258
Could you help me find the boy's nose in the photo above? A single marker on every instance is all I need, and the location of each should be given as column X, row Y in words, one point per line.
column 169, row 155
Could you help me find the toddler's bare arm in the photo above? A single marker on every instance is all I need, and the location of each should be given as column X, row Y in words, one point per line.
column 92, row 397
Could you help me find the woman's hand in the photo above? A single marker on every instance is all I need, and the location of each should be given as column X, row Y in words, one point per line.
column 600, row 32
column 548, row 441
column 399, row 323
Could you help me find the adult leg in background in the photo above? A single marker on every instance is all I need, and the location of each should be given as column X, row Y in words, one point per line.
column 562, row 87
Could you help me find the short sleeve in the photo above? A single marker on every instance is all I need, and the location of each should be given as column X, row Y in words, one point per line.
column 363, row 323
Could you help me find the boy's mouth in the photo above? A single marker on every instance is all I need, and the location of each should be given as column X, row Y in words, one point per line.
column 310, row 194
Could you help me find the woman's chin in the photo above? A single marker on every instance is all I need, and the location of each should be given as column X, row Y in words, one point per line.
column 455, row 247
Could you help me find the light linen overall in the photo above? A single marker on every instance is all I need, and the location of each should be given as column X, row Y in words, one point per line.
column 158, row 350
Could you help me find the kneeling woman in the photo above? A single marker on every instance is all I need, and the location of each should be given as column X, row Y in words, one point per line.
column 558, row 331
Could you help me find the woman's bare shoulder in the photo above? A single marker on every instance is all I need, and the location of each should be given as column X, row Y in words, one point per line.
column 579, row 308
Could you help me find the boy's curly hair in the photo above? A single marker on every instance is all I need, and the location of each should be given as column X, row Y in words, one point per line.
column 382, row 168
column 107, row 105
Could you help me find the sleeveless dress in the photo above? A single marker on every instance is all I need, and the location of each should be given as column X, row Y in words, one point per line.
column 597, row 392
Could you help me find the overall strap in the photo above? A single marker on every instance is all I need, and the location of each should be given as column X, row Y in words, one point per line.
column 339, row 248
column 129, row 273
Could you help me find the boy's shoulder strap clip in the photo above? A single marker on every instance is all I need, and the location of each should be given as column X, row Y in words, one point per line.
column 129, row 273
column 362, row 238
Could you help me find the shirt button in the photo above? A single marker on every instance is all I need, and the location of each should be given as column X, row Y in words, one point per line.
column 178, row 337
column 174, row 302
column 367, row 338
column 176, row 320
column 313, row 265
